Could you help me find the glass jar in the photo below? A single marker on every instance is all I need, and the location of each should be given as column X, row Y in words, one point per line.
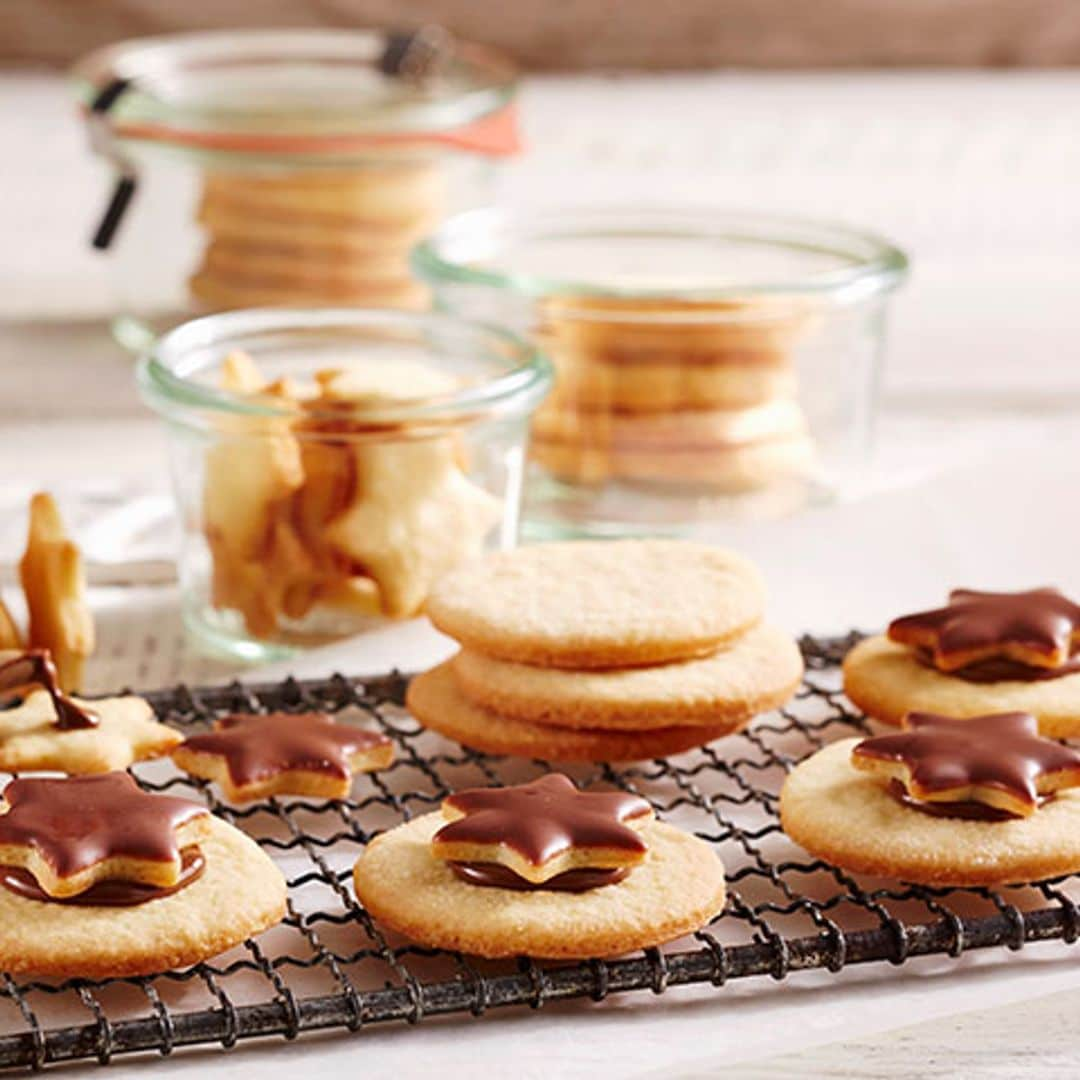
column 329, row 464
column 269, row 168
column 709, row 366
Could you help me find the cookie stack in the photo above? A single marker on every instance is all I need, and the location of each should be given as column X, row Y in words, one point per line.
column 603, row 651
column 663, row 390
column 339, row 238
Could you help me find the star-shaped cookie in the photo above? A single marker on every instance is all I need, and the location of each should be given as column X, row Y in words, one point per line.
column 543, row 829
column 1039, row 628
column 251, row 756
column 416, row 516
column 999, row 760
column 125, row 732
column 74, row 832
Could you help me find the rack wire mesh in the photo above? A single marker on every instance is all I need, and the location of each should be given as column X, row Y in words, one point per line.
column 330, row 966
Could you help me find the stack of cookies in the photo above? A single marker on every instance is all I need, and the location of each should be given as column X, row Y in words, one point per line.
column 317, row 238
column 665, row 390
column 603, row 651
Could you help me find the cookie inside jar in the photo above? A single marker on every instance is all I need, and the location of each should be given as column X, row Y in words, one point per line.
column 710, row 364
column 331, row 465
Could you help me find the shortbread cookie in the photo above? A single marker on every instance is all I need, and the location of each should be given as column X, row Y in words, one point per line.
column 254, row 756
column 587, row 604
column 726, row 470
column 125, row 732
column 887, row 680
column 756, row 672
column 220, row 292
column 400, row 194
column 634, row 330
column 677, row 889
column 664, row 384
column 221, row 891
column 435, row 700
column 848, row 817
column 51, row 571
column 416, row 516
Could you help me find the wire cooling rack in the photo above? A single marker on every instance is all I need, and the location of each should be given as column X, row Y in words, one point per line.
column 330, row 966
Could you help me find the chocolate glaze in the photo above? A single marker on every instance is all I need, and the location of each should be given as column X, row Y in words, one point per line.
column 545, row 818
column 1002, row 750
column 1001, row 669
column 257, row 746
column 1041, row 622
column 964, row 810
column 79, row 821
column 105, row 893
column 36, row 666
column 496, row 876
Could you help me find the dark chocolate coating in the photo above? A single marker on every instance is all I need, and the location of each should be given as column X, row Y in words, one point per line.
column 545, row 818
column 1041, row 622
column 36, row 666
column 1002, row 669
column 496, row 876
column 79, row 821
column 258, row 746
column 105, row 893
column 1002, row 750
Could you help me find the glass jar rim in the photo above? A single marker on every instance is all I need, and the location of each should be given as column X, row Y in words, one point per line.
column 875, row 264
column 151, row 108
column 166, row 389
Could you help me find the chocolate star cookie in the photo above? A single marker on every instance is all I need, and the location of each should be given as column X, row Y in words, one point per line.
column 541, row 869
column 99, row 879
column 49, row 730
column 251, row 756
column 996, row 761
column 541, row 832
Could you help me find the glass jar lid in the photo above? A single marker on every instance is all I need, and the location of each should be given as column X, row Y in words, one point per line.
column 300, row 91
column 686, row 255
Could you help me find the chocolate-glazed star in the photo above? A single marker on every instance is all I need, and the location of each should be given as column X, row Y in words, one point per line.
column 72, row 833
column 254, row 755
column 543, row 829
column 998, row 761
column 1036, row 629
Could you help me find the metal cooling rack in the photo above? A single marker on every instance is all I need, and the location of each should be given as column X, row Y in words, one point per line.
column 330, row 966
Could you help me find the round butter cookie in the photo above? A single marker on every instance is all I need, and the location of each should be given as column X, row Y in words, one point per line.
column 887, row 680
column 665, row 384
column 757, row 672
column 437, row 703
column 726, row 470
column 847, row 817
column 239, row 893
column 588, row 604
column 676, row 890
column 221, row 291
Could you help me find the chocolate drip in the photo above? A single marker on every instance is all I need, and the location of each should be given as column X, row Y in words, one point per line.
column 36, row 666
column 545, row 818
column 80, row 821
column 1036, row 628
column 496, row 876
column 105, row 893
column 1003, row 751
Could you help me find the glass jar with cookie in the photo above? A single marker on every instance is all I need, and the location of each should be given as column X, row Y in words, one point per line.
column 330, row 464
column 273, row 168
column 710, row 366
